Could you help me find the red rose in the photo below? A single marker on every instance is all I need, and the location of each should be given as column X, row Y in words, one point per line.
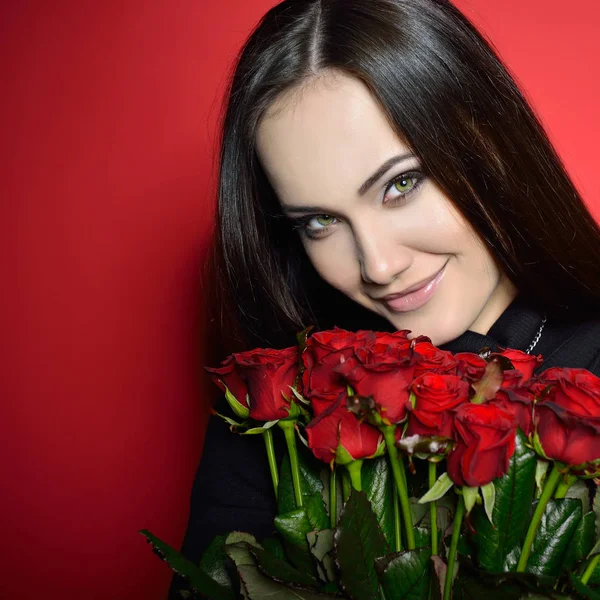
column 470, row 366
column 384, row 337
column 433, row 360
column 522, row 362
column 517, row 398
column 384, row 372
column 229, row 375
column 567, row 417
column 436, row 396
column 337, row 434
column 325, row 402
column 325, row 350
column 269, row 375
column 485, row 441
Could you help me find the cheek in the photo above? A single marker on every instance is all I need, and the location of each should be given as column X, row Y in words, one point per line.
column 334, row 260
column 459, row 238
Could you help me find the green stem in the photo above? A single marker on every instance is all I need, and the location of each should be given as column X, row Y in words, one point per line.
column 400, row 479
column 268, row 438
column 397, row 523
column 458, row 517
column 345, row 485
column 353, row 469
column 563, row 486
column 547, row 492
column 333, row 497
column 590, row 569
column 290, row 440
column 433, row 510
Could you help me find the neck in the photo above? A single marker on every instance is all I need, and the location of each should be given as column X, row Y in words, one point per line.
column 502, row 296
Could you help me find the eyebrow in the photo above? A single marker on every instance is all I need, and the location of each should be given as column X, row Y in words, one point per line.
column 381, row 171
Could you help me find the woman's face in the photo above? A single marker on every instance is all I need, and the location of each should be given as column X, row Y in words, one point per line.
column 371, row 222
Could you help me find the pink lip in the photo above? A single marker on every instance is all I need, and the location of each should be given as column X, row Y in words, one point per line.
column 415, row 296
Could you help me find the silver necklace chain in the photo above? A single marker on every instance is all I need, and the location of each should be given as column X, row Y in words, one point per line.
column 537, row 337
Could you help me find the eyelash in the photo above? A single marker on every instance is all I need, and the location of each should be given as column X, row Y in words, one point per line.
column 301, row 223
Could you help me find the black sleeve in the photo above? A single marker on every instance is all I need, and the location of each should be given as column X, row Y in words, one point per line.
column 232, row 490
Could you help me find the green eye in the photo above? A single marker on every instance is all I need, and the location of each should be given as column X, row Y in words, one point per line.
column 324, row 220
column 404, row 184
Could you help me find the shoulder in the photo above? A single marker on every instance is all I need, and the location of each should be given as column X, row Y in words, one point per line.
column 572, row 342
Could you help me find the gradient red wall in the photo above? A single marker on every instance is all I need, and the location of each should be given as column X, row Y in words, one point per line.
column 108, row 126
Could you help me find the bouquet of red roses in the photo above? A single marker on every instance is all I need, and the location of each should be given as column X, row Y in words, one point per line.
column 411, row 473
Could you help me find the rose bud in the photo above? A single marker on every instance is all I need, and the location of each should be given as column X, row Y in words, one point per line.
column 516, row 399
column 338, row 435
column 470, row 366
column 269, row 375
column 567, row 417
column 522, row 362
column 431, row 359
column 435, row 397
column 485, row 441
column 228, row 378
column 383, row 372
column 325, row 350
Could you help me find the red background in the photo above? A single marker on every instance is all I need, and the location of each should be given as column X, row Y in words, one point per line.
column 108, row 122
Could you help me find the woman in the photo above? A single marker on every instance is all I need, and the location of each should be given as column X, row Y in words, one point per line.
column 372, row 148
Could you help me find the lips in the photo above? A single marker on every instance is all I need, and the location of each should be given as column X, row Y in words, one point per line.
column 415, row 296
column 413, row 288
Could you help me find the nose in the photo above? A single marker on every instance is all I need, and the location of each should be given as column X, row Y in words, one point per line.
column 382, row 258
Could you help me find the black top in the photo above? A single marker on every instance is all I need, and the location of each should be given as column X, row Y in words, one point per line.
column 233, row 490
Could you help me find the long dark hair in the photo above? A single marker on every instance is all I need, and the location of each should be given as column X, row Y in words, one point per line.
column 449, row 97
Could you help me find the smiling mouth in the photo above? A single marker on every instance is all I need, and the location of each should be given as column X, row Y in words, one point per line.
column 414, row 296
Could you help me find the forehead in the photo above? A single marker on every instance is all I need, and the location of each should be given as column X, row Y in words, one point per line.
column 325, row 138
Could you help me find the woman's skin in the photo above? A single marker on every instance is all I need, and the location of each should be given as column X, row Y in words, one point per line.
column 319, row 145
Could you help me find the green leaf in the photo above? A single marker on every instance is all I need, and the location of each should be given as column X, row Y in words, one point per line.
column 213, row 563
column 439, row 488
column 358, row 542
column 316, row 512
column 299, row 396
column 420, row 512
column 256, row 430
column 470, row 496
column 320, row 544
column 580, row 491
column 596, row 509
column 445, row 510
column 488, row 492
column 256, row 585
column 492, row 541
column 199, row 580
column 541, row 468
column 422, row 537
column 280, row 570
column 583, row 590
column 238, row 408
column 233, row 425
column 293, row 527
column 581, row 543
column 274, row 546
column 378, row 484
column 595, row 578
column 478, row 585
column 301, row 337
column 558, row 525
column 241, row 536
column 405, row 575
